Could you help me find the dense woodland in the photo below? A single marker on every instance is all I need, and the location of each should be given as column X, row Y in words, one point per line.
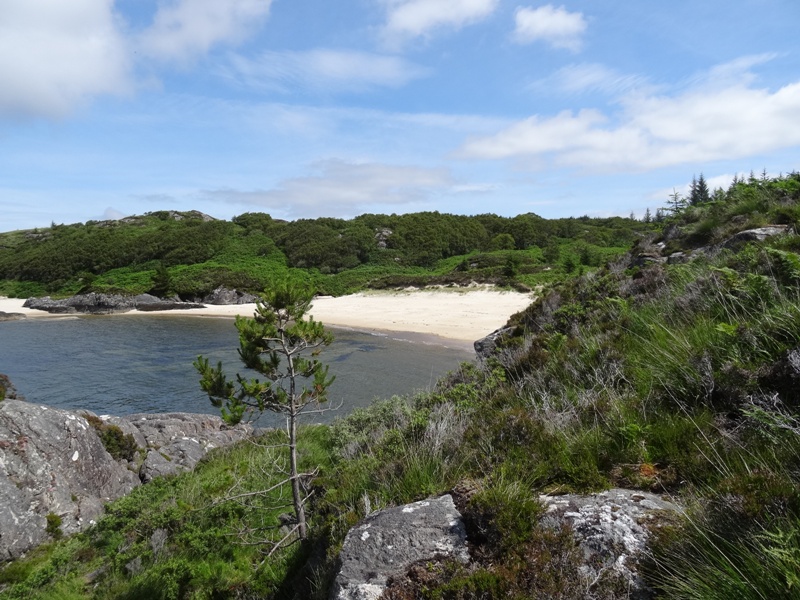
column 670, row 377
column 190, row 255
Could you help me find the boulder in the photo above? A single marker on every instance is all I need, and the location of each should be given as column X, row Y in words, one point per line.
column 612, row 528
column 51, row 462
column 754, row 235
column 387, row 542
column 484, row 347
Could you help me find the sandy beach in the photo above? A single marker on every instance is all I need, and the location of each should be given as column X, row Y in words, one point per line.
column 452, row 314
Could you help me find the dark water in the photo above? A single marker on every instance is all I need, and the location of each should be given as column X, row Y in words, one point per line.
column 128, row 364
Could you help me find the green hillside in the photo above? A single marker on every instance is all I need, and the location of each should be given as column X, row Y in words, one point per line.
column 677, row 376
column 190, row 254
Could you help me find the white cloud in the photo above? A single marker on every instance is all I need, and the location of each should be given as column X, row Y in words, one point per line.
column 699, row 125
column 342, row 188
column 589, row 77
column 555, row 26
column 55, row 54
column 414, row 18
column 324, row 69
column 184, row 29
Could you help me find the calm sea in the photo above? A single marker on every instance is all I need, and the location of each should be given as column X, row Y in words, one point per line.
column 127, row 364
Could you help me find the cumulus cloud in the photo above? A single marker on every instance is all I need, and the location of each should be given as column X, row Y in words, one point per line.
column 342, row 188
column 184, row 29
column 56, row 54
column 698, row 125
column 414, row 18
column 555, row 26
column 325, row 69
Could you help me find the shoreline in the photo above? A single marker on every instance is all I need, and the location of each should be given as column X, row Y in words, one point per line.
column 440, row 316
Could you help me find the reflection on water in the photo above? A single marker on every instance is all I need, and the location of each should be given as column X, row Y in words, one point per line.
column 128, row 364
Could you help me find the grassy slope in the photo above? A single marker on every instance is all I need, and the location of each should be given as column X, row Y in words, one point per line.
column 658, row 377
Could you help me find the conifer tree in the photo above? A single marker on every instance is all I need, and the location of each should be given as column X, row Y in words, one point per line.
column 702, row 193
column 281, row 344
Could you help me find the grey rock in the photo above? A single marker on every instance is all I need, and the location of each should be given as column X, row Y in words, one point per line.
column 646, row 258
column 754, row 235
column 387, row 542
column 51, row 461
column 484, row 347
column 677, row 258
column 105, row 304
column 612, row 528
column 176, row 442
column 225, row 296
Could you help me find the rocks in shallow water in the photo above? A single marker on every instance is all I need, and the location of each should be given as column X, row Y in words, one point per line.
column 612, row 528
column 105, row 304
column 387, row 542
column 53, row 461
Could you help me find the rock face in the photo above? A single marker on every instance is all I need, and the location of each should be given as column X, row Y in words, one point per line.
column 52, row 461
column 105, row 304
column 612, row 529
column 388, row 542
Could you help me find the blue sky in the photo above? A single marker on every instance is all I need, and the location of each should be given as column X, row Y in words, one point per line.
column 309, row 108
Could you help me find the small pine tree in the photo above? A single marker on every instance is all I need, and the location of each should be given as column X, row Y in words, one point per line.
column 676, row 202
column 648, row 216
column 281, row 344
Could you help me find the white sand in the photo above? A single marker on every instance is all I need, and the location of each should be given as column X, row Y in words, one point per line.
column 452, row 314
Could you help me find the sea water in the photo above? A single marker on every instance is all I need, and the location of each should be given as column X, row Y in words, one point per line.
column 127, row 364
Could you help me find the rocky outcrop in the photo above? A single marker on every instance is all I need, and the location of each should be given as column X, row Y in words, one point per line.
column 387, row 542
column 105, row 304
column 485, row 347
column 176, row 442
column 52, row 462
column 612, row 528
column 225, row 296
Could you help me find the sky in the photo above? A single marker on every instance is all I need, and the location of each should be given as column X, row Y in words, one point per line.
column 336, row 108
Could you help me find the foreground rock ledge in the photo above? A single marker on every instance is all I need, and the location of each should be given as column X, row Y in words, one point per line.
column 387, row 542
column 52, row 461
